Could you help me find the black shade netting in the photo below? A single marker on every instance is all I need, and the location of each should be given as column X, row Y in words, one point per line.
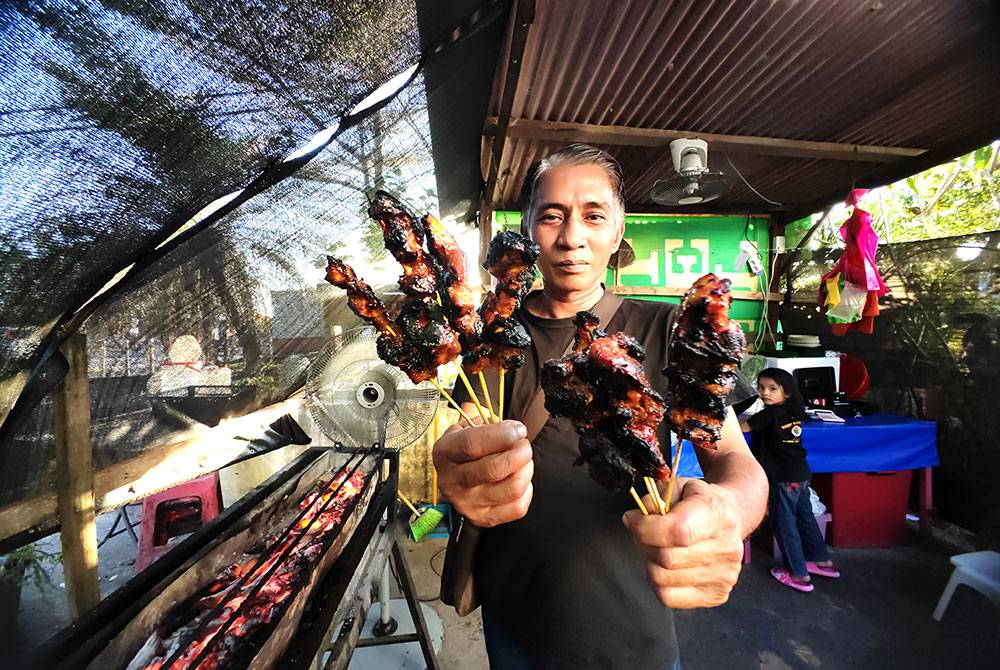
column 935, row 354
column 122, row 120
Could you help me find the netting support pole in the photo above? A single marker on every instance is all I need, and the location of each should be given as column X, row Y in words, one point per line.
column 773, row 260
column 75, row 480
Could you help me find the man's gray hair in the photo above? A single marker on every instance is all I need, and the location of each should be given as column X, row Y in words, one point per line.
column 574, row 154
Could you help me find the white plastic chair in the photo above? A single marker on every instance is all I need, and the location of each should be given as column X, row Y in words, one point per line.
column 980, row 570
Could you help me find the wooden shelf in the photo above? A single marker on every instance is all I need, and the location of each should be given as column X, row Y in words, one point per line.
column 681, row 291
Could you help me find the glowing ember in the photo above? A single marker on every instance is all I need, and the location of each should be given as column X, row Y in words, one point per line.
column 244, row 637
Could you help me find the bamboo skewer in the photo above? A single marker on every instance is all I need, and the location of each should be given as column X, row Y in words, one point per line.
column 447, row 396
column 651, row 490
column 654, row 493
column 673, row 473
column 434, row 472
column 486, row 394
column 638, row 501
column 472, row 394
column 503, row 371
column 465, row 380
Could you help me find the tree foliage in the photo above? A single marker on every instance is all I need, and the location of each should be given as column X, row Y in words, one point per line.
column 955, row 198
column 223, row 90
column 935, row 352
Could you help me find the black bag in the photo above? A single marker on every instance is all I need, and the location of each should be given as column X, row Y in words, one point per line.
column 458, row 584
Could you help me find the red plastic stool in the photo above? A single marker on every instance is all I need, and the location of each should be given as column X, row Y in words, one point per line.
column 182, row 509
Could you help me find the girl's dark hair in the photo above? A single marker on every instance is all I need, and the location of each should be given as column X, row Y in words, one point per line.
column 786, row 381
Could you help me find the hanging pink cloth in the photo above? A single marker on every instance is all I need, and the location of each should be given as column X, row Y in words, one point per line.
column 856, row 266
column 861, row 243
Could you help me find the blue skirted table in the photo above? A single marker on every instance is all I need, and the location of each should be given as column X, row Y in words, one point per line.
column 875, row 443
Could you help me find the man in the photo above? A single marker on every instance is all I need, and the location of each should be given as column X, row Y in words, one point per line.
column 571, row 575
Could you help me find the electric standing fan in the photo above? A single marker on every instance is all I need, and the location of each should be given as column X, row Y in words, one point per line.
column 360, row 401
column 357, row 399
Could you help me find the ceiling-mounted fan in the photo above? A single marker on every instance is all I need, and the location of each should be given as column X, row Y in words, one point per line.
column 694, row 183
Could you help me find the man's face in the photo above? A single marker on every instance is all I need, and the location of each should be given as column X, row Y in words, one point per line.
column 577, row 226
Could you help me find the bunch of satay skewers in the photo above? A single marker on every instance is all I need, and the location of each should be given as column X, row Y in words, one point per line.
column 600, row 384
column 438, row 320
column 602, row 387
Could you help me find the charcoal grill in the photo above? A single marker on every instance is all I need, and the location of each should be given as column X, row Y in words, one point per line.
column 317, row 623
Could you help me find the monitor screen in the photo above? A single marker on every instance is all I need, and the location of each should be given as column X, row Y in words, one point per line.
column 814, row 383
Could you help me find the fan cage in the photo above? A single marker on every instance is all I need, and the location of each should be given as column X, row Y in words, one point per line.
column 332, row 395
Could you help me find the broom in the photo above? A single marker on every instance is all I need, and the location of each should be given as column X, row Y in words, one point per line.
column 425, row 522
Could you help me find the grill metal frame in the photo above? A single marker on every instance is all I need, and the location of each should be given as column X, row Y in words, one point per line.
column 330, row 602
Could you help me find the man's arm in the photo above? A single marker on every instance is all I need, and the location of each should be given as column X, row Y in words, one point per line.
column 734, row 469
column 694, row 552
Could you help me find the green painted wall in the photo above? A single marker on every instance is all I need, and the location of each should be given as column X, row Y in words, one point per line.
column 673, row 251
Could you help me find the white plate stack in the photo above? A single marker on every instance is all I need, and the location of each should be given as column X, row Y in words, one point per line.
column 802, row 341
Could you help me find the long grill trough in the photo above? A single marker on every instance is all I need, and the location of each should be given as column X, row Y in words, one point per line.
column 233, row 594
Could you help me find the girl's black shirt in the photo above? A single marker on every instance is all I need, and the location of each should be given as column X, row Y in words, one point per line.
column 777, row 443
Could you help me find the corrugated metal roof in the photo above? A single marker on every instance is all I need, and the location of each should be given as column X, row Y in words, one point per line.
column 907, row 73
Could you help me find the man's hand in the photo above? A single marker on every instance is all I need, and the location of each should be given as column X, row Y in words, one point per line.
column 694, row 552
column 485, row 471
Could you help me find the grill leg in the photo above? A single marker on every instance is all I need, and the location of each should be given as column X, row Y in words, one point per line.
column 413, row 602
column 386, row 625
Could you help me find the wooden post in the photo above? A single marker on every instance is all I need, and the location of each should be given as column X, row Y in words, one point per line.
column 774, row 229
column 925, row 487
column 75, row 480
column 505, row 87
column 485, row 235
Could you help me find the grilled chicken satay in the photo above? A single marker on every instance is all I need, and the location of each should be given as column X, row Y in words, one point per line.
column 428, row 342
column 361, row 298
column 455, row 294
column 602, row 388
column 511, row 259
column 705, row 348
column 417, row 341
column 404, row 239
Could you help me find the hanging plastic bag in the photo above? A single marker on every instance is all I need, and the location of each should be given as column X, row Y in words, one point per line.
column 852, row 301
column 818, row 507
column 855, row 270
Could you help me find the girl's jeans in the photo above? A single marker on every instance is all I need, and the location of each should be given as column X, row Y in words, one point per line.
column 795, row 526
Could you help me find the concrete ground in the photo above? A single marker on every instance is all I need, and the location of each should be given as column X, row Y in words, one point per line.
column 43, row 608
column 878, row 615
column 462, row 648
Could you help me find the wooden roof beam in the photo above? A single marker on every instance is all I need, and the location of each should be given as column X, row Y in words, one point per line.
column 506, row 84
column 560, row 131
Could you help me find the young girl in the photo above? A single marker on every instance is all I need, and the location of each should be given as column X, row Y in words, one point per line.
column 777, row 444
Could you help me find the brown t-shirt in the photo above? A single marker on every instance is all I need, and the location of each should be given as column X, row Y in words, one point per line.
column 566, row 581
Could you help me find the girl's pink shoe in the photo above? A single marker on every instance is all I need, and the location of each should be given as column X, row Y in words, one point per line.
column 822, row 570
column 782, row 576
